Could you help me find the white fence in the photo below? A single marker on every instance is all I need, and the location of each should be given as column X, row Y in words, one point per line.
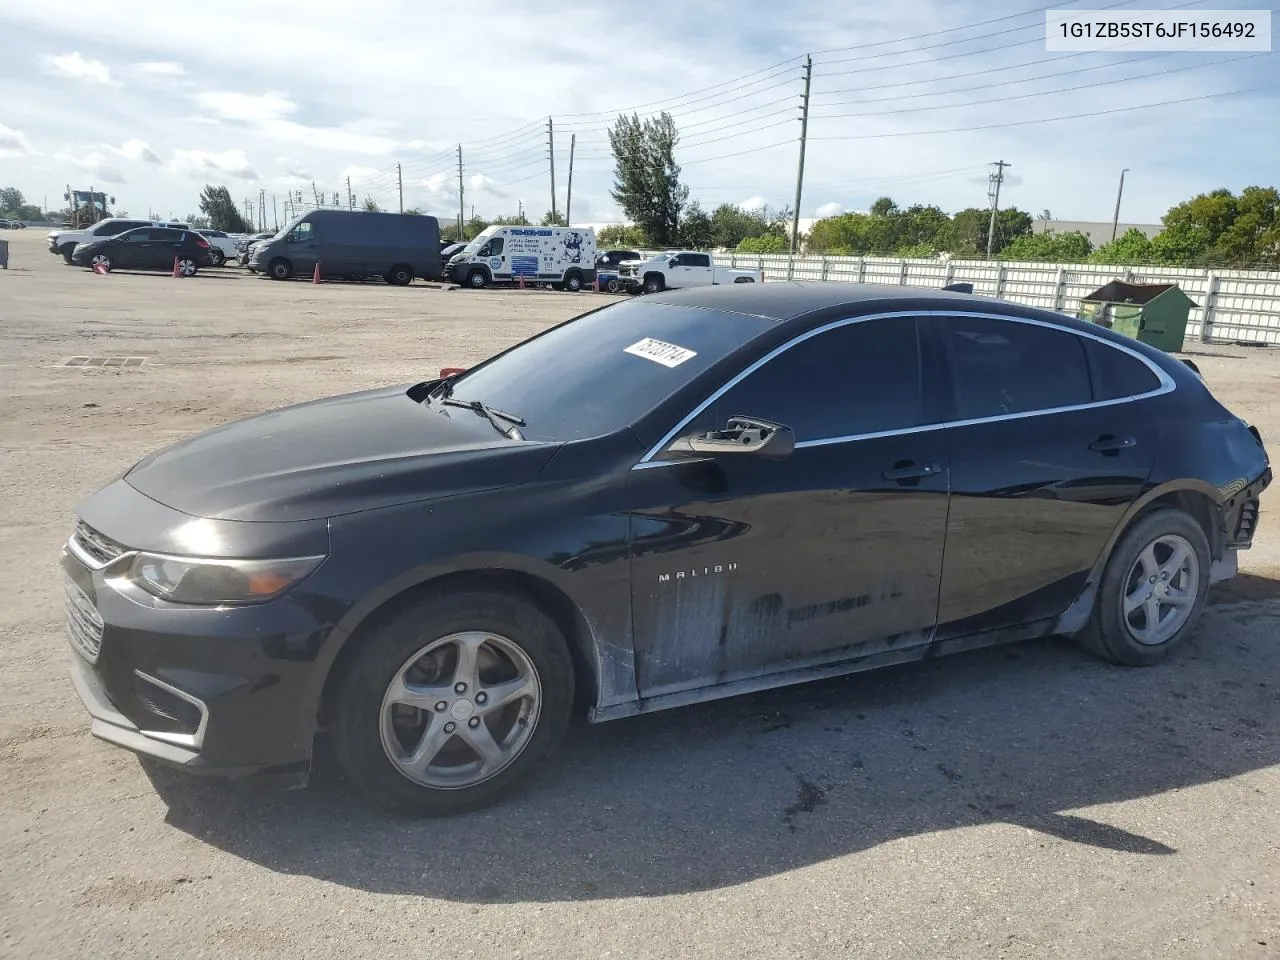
column 1240, row 306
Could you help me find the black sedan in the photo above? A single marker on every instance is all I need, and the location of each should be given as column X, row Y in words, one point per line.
column 146, row 248
column 660, row 502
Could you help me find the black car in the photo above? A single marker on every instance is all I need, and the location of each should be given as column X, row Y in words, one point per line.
column 612, row 258
column 660, row 502
column 146, row 248
column 447, row 252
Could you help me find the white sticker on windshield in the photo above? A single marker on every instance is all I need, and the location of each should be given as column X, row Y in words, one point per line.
column 659, row 351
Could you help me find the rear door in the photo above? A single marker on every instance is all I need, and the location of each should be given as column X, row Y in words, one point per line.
column 1046, row 452
column 164, row 246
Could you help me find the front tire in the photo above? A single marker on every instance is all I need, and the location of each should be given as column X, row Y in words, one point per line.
column 1153, row 590
column 216, row 257
column 280, row 269
column 573, row 282
column 100, row 260
column 476, row 279
column 452, row 702
column 67, row 249
column 654, row 283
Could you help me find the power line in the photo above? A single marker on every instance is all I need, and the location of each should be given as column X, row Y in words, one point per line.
column 1040, row 93
column 1074, row 116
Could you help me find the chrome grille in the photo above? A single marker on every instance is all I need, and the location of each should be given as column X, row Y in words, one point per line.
column 101, row 548
column 84, row 625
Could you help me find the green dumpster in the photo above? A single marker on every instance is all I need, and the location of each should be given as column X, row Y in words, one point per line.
column 1155, row 313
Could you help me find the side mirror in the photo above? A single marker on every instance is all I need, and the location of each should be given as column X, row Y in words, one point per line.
column 447, row 372
column 672, row 262
column 741, row 437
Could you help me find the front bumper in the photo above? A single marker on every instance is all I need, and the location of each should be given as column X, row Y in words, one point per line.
column 224, row 691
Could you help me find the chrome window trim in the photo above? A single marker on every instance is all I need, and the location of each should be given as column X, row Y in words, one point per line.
column 193, row 740
column 1167, row 384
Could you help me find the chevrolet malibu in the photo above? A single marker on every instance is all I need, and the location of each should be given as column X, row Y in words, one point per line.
column 660, row 502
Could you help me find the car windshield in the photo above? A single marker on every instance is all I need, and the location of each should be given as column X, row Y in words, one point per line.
column 604, row 371
column 475, row 244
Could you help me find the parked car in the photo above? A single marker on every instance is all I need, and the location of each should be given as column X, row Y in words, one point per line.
column 221, row 247
column 63, row 242
column 244, row 246
column 612, row 259
column 11, row 225
column 673, row 270
column 352, row 244
column 447, row 253
column 668, row 500
column 147, row 248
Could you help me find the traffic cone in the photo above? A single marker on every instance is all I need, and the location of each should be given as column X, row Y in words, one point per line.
column 315, row 274
column 99, row 269
column 595, row 284
column 520, row 281
column 176, row 271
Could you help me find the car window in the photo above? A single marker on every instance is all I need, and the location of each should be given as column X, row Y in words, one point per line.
column 1003, row 367
column 855, row 379
column 113, row 229
column 493, row 248
column 137, row 236
column 1116, row 374
column 302, row 232
column 697, row 260
column 603, row 371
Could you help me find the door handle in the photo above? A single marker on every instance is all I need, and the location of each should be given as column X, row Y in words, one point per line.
column 1110, row 444
column 909, row 470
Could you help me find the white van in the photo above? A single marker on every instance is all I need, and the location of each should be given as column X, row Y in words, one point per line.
column 562, row 256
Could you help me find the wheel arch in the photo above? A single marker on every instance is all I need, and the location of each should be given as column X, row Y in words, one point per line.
column 1201, row 501
column 551, row 599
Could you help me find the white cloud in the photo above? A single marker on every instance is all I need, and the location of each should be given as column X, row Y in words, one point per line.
column 440, row 185
column 754, row 203
column 294, row 169
column 482, row 184
column 357, row 173
column 75, row 67
column 248, row 107
column 136, row 150
column 95, row 165
column 161, row 68
column 832, row 209
column 203, row 163
column 14, row 143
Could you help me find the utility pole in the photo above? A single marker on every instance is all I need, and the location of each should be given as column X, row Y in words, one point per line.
column 400, row 187
column 351, row 200
column 996, row 179
column 551, row 152
column 520, row 211
column 804, row 134
column 1115, row 220
column 262, row 208
column 462, row 226
column 568, row 200
column 275, row 212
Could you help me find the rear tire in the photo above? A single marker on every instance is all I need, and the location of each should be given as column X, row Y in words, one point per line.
column 216, row 257
column 280, row 269
column 187, row 267
column 401, row 275
column 1152, row 592
column 415, row 655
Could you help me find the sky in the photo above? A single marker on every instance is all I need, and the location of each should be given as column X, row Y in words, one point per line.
column 910, row 100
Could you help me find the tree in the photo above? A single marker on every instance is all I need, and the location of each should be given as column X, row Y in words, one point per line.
column 11, row 198
column 730, row 225
column 619, row 236
column 846, row 234
column 646, row 177
column 695, row 227
column 370, row 205
column 550, row 219
column 1071, row 247
column 217, row 205
column 200, row 223
column 1132, row 246
column 414, row 212
column 765, row 243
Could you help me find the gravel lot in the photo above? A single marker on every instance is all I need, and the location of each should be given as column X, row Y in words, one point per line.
column 1023, row 802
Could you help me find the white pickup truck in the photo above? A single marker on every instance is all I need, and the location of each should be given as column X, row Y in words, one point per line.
column 674, row 270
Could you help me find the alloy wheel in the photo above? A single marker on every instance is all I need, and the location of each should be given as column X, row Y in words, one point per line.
column 1160, row 592
column 460, row 710
column 187, row 268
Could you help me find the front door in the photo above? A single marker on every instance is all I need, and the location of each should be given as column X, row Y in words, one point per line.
column 743, row 567
column 132, row 250
column 1045, row 459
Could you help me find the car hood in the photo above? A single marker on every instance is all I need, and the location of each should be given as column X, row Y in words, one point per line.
column 334, row 456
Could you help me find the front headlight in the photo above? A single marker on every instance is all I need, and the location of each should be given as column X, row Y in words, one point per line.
column 206, row 580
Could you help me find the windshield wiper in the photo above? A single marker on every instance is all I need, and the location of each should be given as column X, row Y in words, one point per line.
column 493, row 415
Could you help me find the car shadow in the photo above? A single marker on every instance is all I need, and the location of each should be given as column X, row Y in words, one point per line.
column 725, row 793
